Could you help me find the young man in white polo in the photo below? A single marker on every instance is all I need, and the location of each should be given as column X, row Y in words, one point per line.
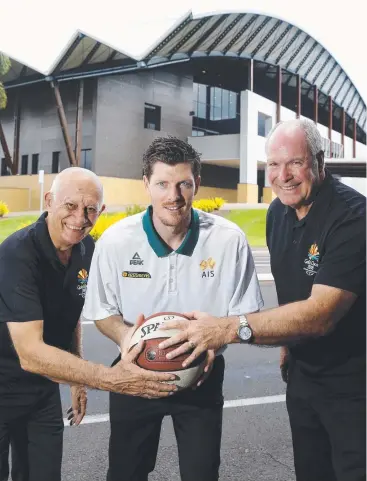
column 169, row 258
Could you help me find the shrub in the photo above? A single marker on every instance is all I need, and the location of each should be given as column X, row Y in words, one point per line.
column 104, row 221
column 3, row 209
column 209, row 205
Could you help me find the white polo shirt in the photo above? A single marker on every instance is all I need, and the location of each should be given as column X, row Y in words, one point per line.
column 134, row 272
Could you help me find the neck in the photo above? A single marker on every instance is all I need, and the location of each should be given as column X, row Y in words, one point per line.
column 302, row 211
column 172, row 235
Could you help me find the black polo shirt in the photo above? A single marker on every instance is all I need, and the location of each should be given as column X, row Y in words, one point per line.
column 328, row 247
column 35, row 285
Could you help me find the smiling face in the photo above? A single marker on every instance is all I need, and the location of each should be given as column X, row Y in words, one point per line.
column 292, row 173
column 172, row 189
column 73, row 209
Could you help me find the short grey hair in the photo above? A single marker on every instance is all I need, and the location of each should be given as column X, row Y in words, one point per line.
column 312, row 134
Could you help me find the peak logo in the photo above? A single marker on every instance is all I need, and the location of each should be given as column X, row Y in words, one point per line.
column 136, row 260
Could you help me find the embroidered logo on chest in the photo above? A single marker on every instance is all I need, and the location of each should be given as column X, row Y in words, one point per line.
column 207, row 267
column 312, row 260
column 82, row 282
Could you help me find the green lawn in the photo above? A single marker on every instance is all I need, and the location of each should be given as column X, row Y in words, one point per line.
column 11, row 224
column 252, row 222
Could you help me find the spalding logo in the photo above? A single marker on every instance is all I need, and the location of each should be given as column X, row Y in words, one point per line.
column 149, row 328
column 145, row 330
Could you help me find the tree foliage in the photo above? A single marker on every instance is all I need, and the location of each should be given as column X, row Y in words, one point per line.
column 4, row 68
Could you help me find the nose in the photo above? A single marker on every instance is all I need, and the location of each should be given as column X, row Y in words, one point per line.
column 174, row 193
column 80, row 216
column 285, row 173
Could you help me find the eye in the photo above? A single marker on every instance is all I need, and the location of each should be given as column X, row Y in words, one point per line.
column 297, row 162
column 91, row 210
column 187, row 184
column 161, row 184
column 69, row 205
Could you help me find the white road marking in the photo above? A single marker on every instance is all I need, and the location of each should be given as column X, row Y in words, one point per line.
column 252, row 401
column 265, row 277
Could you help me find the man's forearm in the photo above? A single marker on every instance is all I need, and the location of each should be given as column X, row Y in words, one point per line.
column 76, row 342
column 57, row 364
column 113, row 327
column 283, row 325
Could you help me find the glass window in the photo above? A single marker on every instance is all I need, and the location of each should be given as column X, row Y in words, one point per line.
column 55, row 162
column 86, row 159
column 35, row 160
column 264, row 124
column 225, row 104
column 152, row 117
column 24, row 167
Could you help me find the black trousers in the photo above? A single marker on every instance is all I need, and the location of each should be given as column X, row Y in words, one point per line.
column 328, row 432
column 197, row 420
column 36, row 440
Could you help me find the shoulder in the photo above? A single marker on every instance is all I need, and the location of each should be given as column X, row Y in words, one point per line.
column 20, row 245
column 220, row 226
column 348, row 201
column 275, row 208
column 122, row 231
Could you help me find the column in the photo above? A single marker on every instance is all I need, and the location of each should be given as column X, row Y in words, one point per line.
column 247, row 189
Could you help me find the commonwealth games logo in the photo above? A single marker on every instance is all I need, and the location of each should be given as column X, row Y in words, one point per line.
column 82, row 282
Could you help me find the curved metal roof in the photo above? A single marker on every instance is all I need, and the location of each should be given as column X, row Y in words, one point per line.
column 20, row 73
column 85, row 52
column 266, row 39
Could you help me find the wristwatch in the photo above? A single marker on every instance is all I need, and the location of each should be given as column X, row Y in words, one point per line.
column 244, row 331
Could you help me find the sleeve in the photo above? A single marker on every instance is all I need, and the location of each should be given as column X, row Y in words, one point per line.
column 343, row 264
column 101, row 300
column 247, row 294
column 20, row 299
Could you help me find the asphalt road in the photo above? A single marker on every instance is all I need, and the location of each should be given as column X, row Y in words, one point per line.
column 256, row 444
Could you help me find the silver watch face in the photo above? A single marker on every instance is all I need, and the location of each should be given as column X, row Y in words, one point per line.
column 245, row 333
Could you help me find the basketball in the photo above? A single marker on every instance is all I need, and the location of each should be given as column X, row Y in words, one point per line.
column 154, row 359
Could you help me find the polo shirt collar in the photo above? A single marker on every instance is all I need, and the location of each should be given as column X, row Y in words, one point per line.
column 157, row 243
column 47, row 246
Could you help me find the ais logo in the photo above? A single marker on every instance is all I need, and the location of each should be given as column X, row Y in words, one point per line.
column 207, row 267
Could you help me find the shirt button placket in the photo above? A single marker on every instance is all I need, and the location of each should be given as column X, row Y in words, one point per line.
column 172, row 286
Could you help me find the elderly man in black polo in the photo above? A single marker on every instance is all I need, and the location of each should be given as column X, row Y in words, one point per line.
column 43, row 279
column 316, row 234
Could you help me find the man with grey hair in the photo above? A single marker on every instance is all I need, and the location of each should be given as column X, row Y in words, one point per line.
column 316, row 234
column 43, row 279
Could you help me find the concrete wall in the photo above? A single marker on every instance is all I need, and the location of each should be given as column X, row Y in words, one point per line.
column 22, row 193
column 121, row 138
column 218, row 147
column 16, row 199
column 40, row 131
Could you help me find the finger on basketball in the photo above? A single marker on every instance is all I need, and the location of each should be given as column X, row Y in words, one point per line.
column 209, row 360
column 172, row 325
column 197, row 351
column 171, row 341
column 134, row 353
column 186, row 347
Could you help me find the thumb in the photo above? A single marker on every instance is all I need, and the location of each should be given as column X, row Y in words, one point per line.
column 130, row 356
column 140, row 320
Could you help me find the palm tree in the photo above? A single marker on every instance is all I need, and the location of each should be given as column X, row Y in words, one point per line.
column 4, row 68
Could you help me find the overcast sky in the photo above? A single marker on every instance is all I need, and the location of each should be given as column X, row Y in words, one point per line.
column 36, row 31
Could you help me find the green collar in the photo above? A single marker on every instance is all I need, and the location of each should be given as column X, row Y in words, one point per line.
column 157, row 243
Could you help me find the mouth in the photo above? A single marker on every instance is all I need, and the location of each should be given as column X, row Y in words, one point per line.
column 74, row 228
column 174, row 208
column 289, row 188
